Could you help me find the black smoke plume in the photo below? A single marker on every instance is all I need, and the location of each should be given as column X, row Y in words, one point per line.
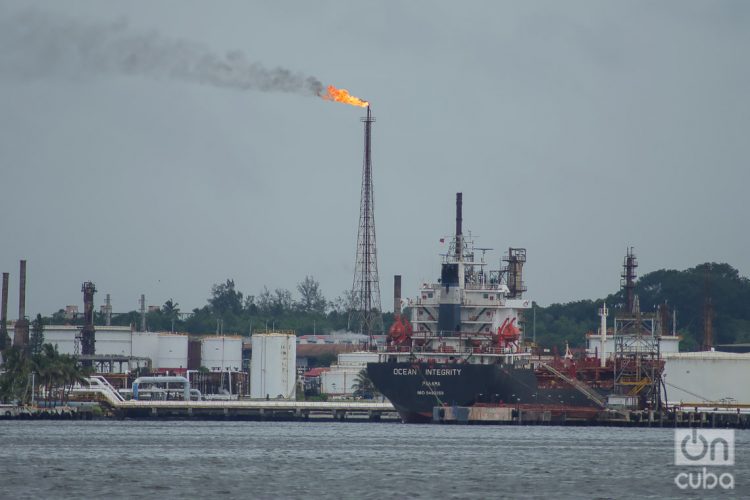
column 33, row 44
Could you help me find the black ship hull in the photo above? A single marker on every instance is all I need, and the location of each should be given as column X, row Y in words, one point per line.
column 416, row 388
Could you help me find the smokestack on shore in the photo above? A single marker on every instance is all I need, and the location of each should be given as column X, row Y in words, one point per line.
column 4, row 311
column 143, row 312
column 21, row 331
column 88, row 332
column 22, row 292
column 397, row 294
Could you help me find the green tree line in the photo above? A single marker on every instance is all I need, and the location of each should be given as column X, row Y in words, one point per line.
column 686, row 291
column 308, row 311
column 231, row 311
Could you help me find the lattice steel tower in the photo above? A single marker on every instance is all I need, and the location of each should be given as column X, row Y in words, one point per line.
column 366, row 286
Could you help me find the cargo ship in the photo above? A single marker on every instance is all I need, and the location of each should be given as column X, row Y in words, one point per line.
column 464, row 346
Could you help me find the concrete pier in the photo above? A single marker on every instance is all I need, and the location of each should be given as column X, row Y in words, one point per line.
column 674, row 417
column 256, row 410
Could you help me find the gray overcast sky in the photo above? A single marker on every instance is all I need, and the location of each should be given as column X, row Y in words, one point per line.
column 574, row 129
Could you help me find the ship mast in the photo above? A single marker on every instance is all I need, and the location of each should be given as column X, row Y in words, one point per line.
column 459, row 231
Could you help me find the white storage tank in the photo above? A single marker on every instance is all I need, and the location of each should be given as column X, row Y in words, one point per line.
column 273, row 371
column 222, row 353
column 113, row 340
column 110, row 340
column 61, row 336
column 146, row 345
column 667, row 344
column 707, row 377
column 173, row 352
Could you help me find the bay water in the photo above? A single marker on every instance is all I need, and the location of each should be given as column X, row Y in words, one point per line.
column 196, row 459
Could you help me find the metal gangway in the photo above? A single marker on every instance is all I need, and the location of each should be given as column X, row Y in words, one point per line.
column 577, row 384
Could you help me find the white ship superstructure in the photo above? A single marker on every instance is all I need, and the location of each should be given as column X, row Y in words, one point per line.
column 471, row 314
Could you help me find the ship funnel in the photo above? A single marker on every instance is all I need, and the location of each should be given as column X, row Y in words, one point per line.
column 397, row 294
column 459, row 220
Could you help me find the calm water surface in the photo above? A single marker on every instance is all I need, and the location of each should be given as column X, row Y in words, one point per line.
column 132, row 459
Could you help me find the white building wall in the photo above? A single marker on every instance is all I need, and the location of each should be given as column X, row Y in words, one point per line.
column 272, row 366
column 339, row 380
column 222, row 353
column 357, row 359
column 698, row 377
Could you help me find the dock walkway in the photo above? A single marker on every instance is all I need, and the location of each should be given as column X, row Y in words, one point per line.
column 237, row 409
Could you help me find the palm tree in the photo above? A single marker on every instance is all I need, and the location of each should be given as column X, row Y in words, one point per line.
column 363, row 386
column 55, row 372
column 73, row 374
column 171, row 309
column 14, row 382
column 50, row 367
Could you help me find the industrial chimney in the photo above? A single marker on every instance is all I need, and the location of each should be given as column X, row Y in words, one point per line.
column 21, row 332
column 22, row 291
column 143, row 312
column 108, row 311
column 4, row 338
column 88, row 332
column 397, row 295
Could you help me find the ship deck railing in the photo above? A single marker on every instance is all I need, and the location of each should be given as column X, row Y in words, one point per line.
column 499, row 302
column 448, row 350
column 490, row 287
column 465, row 336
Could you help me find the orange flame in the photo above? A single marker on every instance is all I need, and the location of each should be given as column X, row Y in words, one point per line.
column 342, row 95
